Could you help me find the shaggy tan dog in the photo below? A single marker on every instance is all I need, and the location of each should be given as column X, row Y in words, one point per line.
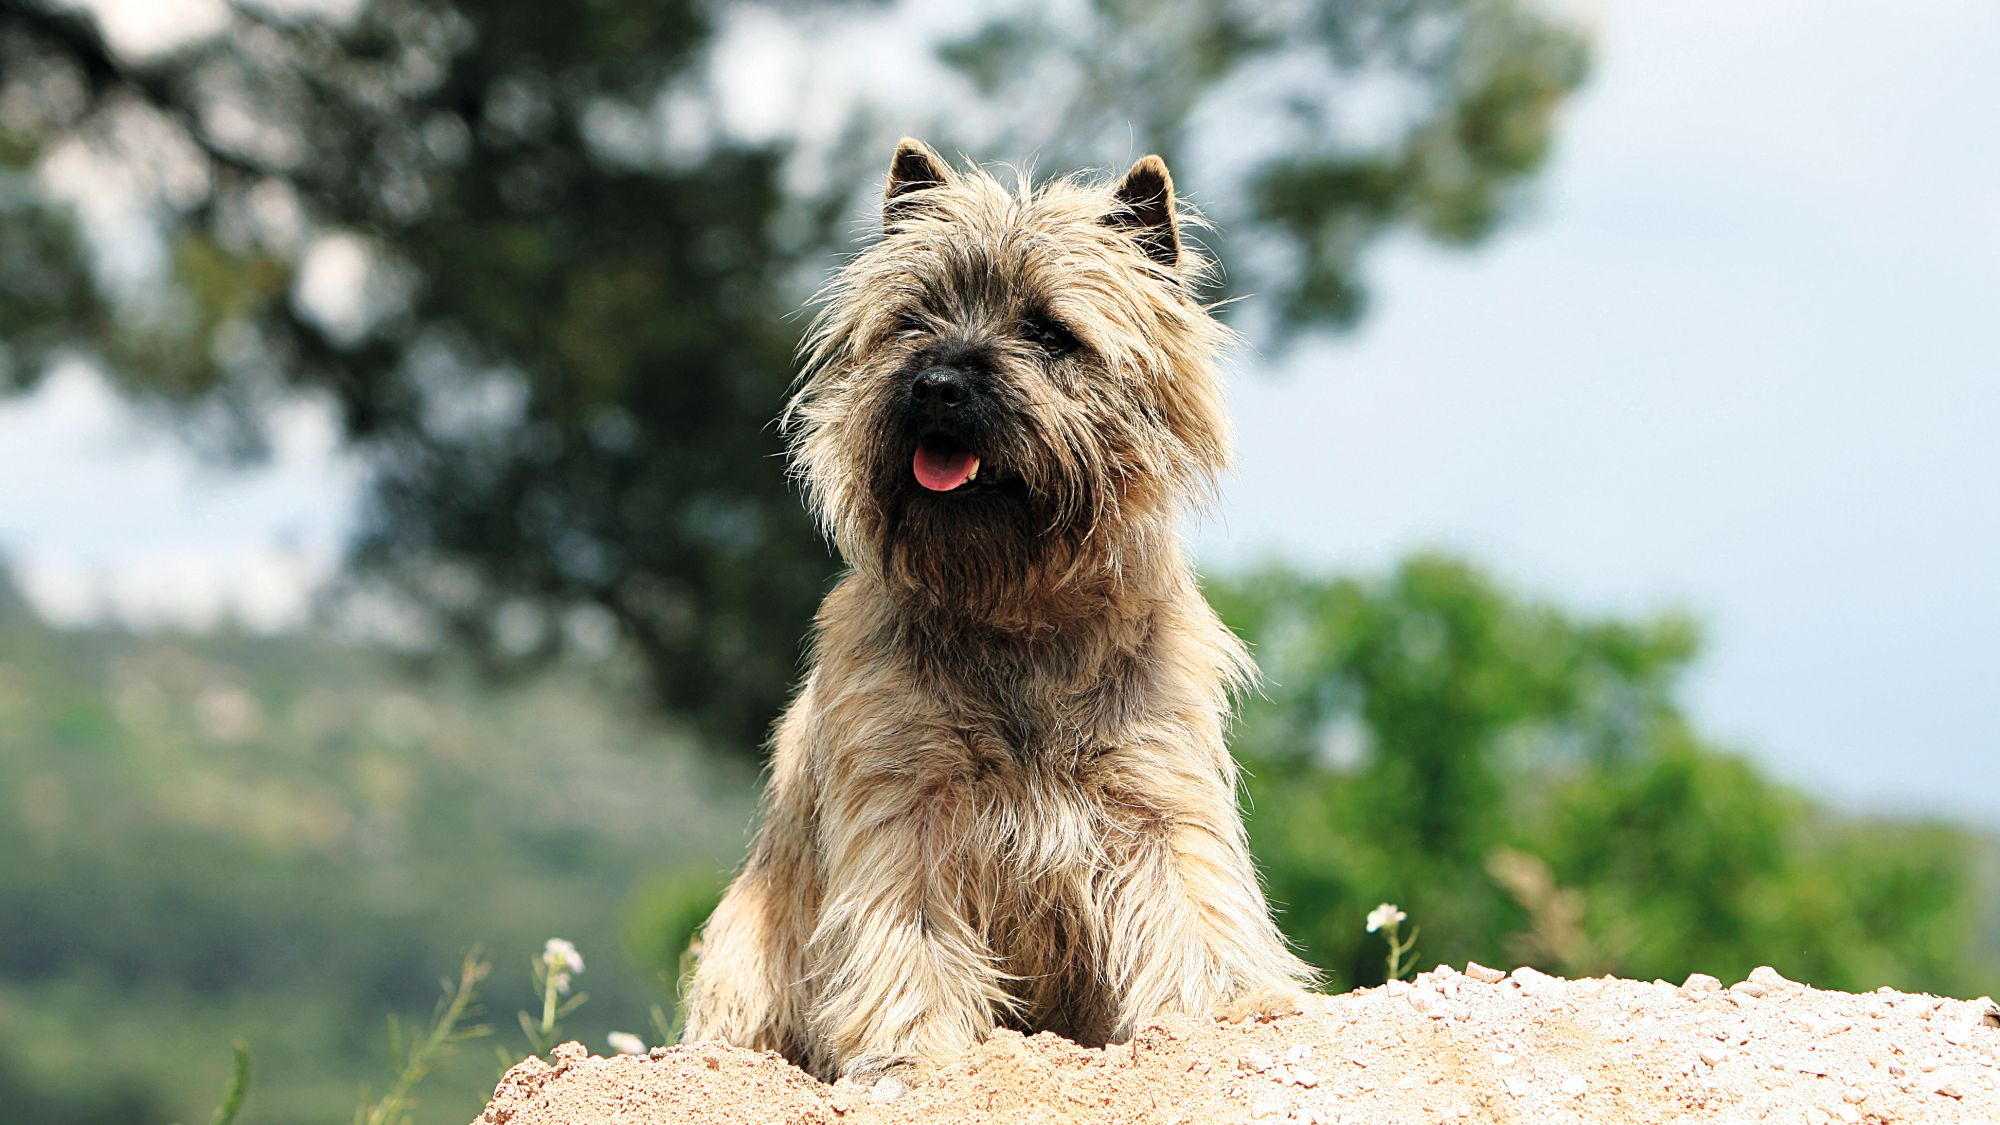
column 1002, row 797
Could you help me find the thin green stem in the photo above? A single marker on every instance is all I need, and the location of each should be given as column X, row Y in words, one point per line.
column 548, row 1005
column 1402, row 951
column 425, row 1055
column 239, row 1084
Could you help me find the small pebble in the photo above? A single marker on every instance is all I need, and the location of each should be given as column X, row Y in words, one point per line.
column 1303, row 1077
column 1770, row 978
column 1713, row 1056
column 1483, row 974
column 1534, row 982
column 1575, row 1086
column 887, row 1090
column 1699, row 983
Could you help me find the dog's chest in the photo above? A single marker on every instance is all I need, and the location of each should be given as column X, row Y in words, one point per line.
column 1046, row 708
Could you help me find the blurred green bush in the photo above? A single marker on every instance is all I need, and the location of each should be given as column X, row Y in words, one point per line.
column 1524, row 783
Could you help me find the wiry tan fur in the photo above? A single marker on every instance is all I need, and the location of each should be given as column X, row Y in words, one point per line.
column 1002, row 796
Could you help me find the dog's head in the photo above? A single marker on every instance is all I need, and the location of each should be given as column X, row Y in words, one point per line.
column 1011, row 394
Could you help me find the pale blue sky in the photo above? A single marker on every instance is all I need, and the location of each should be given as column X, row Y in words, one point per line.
column 1740, row 357
column 1743, row 359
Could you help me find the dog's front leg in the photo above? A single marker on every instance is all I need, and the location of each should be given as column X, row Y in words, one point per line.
column 901, row 964
column 1185, row 926
column 745, row 986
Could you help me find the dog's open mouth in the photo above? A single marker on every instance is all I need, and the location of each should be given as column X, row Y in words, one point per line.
column 944, row 463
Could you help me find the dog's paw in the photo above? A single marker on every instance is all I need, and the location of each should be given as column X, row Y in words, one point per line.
column 886, row 1077
column 1263, row 1004
column 868, row 1068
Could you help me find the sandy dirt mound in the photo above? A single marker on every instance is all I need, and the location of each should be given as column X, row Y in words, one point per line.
column 1448, row 1047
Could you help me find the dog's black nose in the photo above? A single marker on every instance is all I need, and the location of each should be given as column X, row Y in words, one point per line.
column 940, row 387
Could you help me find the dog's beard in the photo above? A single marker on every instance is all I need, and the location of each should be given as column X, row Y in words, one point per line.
column 977, row 543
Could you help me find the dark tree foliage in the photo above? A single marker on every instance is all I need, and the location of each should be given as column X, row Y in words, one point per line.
column 576, row 334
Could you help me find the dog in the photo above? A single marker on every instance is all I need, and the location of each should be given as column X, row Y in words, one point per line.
column 1002, row 795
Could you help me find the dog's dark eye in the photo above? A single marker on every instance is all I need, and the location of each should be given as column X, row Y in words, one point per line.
column 910, row 322
column 1052, row 337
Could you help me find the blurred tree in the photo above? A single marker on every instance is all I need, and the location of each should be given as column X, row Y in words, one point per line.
column 568, row 325
column 1524, row 784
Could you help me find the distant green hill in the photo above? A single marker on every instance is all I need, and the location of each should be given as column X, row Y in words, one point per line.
column 286, row 839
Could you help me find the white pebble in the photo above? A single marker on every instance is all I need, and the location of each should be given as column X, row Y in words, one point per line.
column 1483, row 974
column 1699, row 983
column 1770, row 978
column 887, row 1090
column 1575, row 1086
column 1534, row 982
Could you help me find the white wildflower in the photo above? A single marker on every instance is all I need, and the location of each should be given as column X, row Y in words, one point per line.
column 1387, row 914
column 626, row 1043
column 559, row 956
column 559, row 960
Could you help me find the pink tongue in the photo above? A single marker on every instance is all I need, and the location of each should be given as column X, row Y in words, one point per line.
column 943, row 466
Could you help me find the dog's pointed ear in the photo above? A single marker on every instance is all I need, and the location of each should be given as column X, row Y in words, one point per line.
column 1145, row 198
column 915, row 168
